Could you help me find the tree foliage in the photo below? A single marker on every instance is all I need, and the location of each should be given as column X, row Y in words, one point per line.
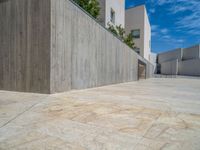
column 120, row 32
column 91, row 6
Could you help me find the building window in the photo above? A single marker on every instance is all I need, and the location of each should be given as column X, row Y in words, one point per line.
column 112, row 16
column 136, row 33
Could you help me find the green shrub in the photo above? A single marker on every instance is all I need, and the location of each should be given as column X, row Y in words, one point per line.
column 120, row 32
column 91, row 6
column 129, row 41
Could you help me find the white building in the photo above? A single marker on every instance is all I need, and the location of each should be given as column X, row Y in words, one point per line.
column 135, row 20
column 137, row 23
column 113, row 12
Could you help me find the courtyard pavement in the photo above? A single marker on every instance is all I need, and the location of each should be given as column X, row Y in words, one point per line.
column 153, row 114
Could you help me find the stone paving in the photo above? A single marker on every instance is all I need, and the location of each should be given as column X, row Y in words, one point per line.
column 153, row 114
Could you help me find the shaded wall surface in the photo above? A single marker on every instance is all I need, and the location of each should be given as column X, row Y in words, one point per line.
column 190, row 67
column 170, row 67
column 25, row 45
column 188, row 61
column 170, row 55
column 63, row 48
column 191, row 52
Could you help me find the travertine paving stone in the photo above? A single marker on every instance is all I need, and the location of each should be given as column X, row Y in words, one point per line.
column 150, row 114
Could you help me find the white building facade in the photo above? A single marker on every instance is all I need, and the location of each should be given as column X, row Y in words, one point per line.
column 135, row 20
column 112, row 12
column 137, row 23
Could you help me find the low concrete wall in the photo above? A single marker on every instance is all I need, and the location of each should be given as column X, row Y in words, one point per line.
column 169, row 67
column 170, row 55
column 50, row 46
column 190, row 67
column 191, row 52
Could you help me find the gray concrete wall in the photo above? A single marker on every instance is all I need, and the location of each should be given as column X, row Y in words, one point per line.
column 24, row 45
column 50, row 46
column 169, row 67
column 191, row 52
column 170, row 55
column 97, row 56
column 190, row 67
column 188, row 61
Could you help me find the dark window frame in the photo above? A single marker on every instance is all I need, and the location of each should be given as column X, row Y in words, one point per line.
column 112, row 15
column 135, row 36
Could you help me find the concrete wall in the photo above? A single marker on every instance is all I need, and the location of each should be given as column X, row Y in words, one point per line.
column 136, row 18
column 191, row 52
column 170, row 55
column 53, row 46
column 188, row 61
column 190, row 67
column 97, row 56
column 118, row 6
column 169, row 67
column 25, row 45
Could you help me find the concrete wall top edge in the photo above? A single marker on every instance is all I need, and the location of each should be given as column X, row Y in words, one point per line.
column 196, row 45
column 170, row 51
column 105, row 27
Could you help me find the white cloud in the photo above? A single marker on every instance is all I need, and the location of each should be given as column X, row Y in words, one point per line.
column 152, row 10
column 164, row 31
column 159, row 2
column 154, row 34
column 154, row 27
column 166, row 37
column 189, row 23
column 162, row 2
column 180, row 40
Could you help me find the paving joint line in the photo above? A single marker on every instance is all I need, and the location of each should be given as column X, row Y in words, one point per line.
column 29, row 108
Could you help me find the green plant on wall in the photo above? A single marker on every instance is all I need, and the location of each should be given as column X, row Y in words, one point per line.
column 129, row 41
column 113, row 29
column 120, row 32
column 91, row 6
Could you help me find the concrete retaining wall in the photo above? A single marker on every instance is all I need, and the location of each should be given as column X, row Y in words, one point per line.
column 182, row 62
column 170, row 55
column 169, row 67
column 25, row 45
column 191, row 52
column 190, row 67
column 97, row 56
column 54, row 46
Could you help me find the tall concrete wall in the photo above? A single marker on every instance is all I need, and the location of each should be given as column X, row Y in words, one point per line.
column 97, row 56
column 190, row 67
column 188, row 61
column 169, row 67
column 170, row 55
column 191, row 52
column 25, row 45
column 50, row 46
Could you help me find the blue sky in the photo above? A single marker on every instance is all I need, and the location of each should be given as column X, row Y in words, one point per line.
column 174, row 23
